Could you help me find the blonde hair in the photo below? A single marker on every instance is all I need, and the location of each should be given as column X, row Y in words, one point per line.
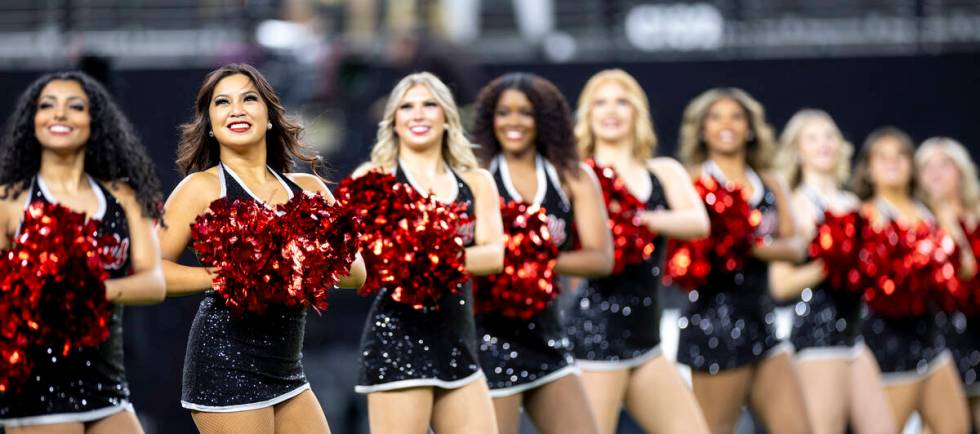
column 969, row 185
column 760, row 146
column 788, row 158
column 644, row 137
column 456, row 148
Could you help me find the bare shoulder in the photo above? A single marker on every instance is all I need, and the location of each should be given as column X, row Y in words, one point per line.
column 11, row 209
column 364, row 168
column 199, row 187
column 583, row 177
column 477, row 178
column 774, row 181
column 667, row 169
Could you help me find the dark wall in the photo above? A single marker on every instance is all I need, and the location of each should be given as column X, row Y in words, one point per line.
column 924, row 95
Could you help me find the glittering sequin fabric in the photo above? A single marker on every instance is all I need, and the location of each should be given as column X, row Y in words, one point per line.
column 615, row 320
column 730, row 322
column 74, row 388
column 242, row 363
column 963, row 338
column 825, row 317
column 518, row 354
column 403, row 347
column 903, row 346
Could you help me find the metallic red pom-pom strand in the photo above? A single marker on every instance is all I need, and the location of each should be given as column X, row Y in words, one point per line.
column 527, row 285
column 633, row 242
column 412, row 243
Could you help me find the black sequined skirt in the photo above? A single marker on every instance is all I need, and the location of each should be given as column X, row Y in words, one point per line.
column 726, row 330
column 518, row 355
column 402, row 347
column 614, row 325
column 237, row 364
column 86, row 385
column 826, row 323
column 905, row 348
column 963, row 340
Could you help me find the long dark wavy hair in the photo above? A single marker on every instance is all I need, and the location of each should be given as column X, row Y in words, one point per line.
column 113, row 153
column 197, row 151
column 861, row 183
column 555, row 138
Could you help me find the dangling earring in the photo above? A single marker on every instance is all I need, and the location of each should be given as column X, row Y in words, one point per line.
column 210, row 133
column 269, row 127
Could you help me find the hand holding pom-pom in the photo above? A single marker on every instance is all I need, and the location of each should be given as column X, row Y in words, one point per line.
column 733, row 223
column 527, row 284
column 411, row 243
column 633, row 242
column 837, row 244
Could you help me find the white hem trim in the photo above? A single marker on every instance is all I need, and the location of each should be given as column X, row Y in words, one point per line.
column 891, row 378
column 616, row 365
column 781, row 347
column 419, row 382
column 828, row 353
column 520, row 388
column 48, row 419
column 245, row 407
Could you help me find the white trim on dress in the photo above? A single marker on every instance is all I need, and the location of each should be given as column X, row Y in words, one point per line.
column 616, row 365
column 245, row 407
column 519, row 388
column 892, row 378
column 85, row 416
column 420, row 382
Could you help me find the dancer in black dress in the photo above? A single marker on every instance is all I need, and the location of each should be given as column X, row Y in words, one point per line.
column 240, row 373
column 916, row 367
column 421, row 367
column 68, row 143
column 949, row 185
column 840, row 377
column 614, row 321
column 524, row 129
column 727, row 331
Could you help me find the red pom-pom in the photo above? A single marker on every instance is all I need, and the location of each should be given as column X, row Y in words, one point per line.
column 906, row 268
column 838, row 244
column 320, row 244
column 411, row 243
column 968, row 299
column 53, row 291
column 290, row 256
column 527, row 284
column 633, row 242
column 733, row 224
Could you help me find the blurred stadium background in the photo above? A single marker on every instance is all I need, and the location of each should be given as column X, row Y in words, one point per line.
column 914, row 64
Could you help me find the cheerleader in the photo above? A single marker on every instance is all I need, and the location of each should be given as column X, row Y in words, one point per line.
column 948, row 185
column 916, row 368
column 614, row 323
column 840, row 377
column 727, row 331
column 421, row 367
column 68, row 143
column 524, row 129
column 240, row 373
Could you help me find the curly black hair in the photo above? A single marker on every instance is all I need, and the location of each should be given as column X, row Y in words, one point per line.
column 555, row 139
column 114, row 153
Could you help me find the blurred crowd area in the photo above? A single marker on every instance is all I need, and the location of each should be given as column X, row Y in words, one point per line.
column 910, row 63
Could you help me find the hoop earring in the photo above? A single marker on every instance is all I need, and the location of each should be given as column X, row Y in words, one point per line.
column 211, row 133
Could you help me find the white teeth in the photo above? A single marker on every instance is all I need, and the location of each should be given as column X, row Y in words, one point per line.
column 59, row 129
column 238, row 125
column 514, row 135
column 726, row 135
column 419, row 130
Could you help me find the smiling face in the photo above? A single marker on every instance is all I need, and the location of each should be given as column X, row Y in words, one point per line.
column 939, row 177
column 820, row 146
column 513, row 122
column 239, row 116
column 611, row 115
column 419, row 119
column 726, row 127
column 889, row 165
column 62, row 120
